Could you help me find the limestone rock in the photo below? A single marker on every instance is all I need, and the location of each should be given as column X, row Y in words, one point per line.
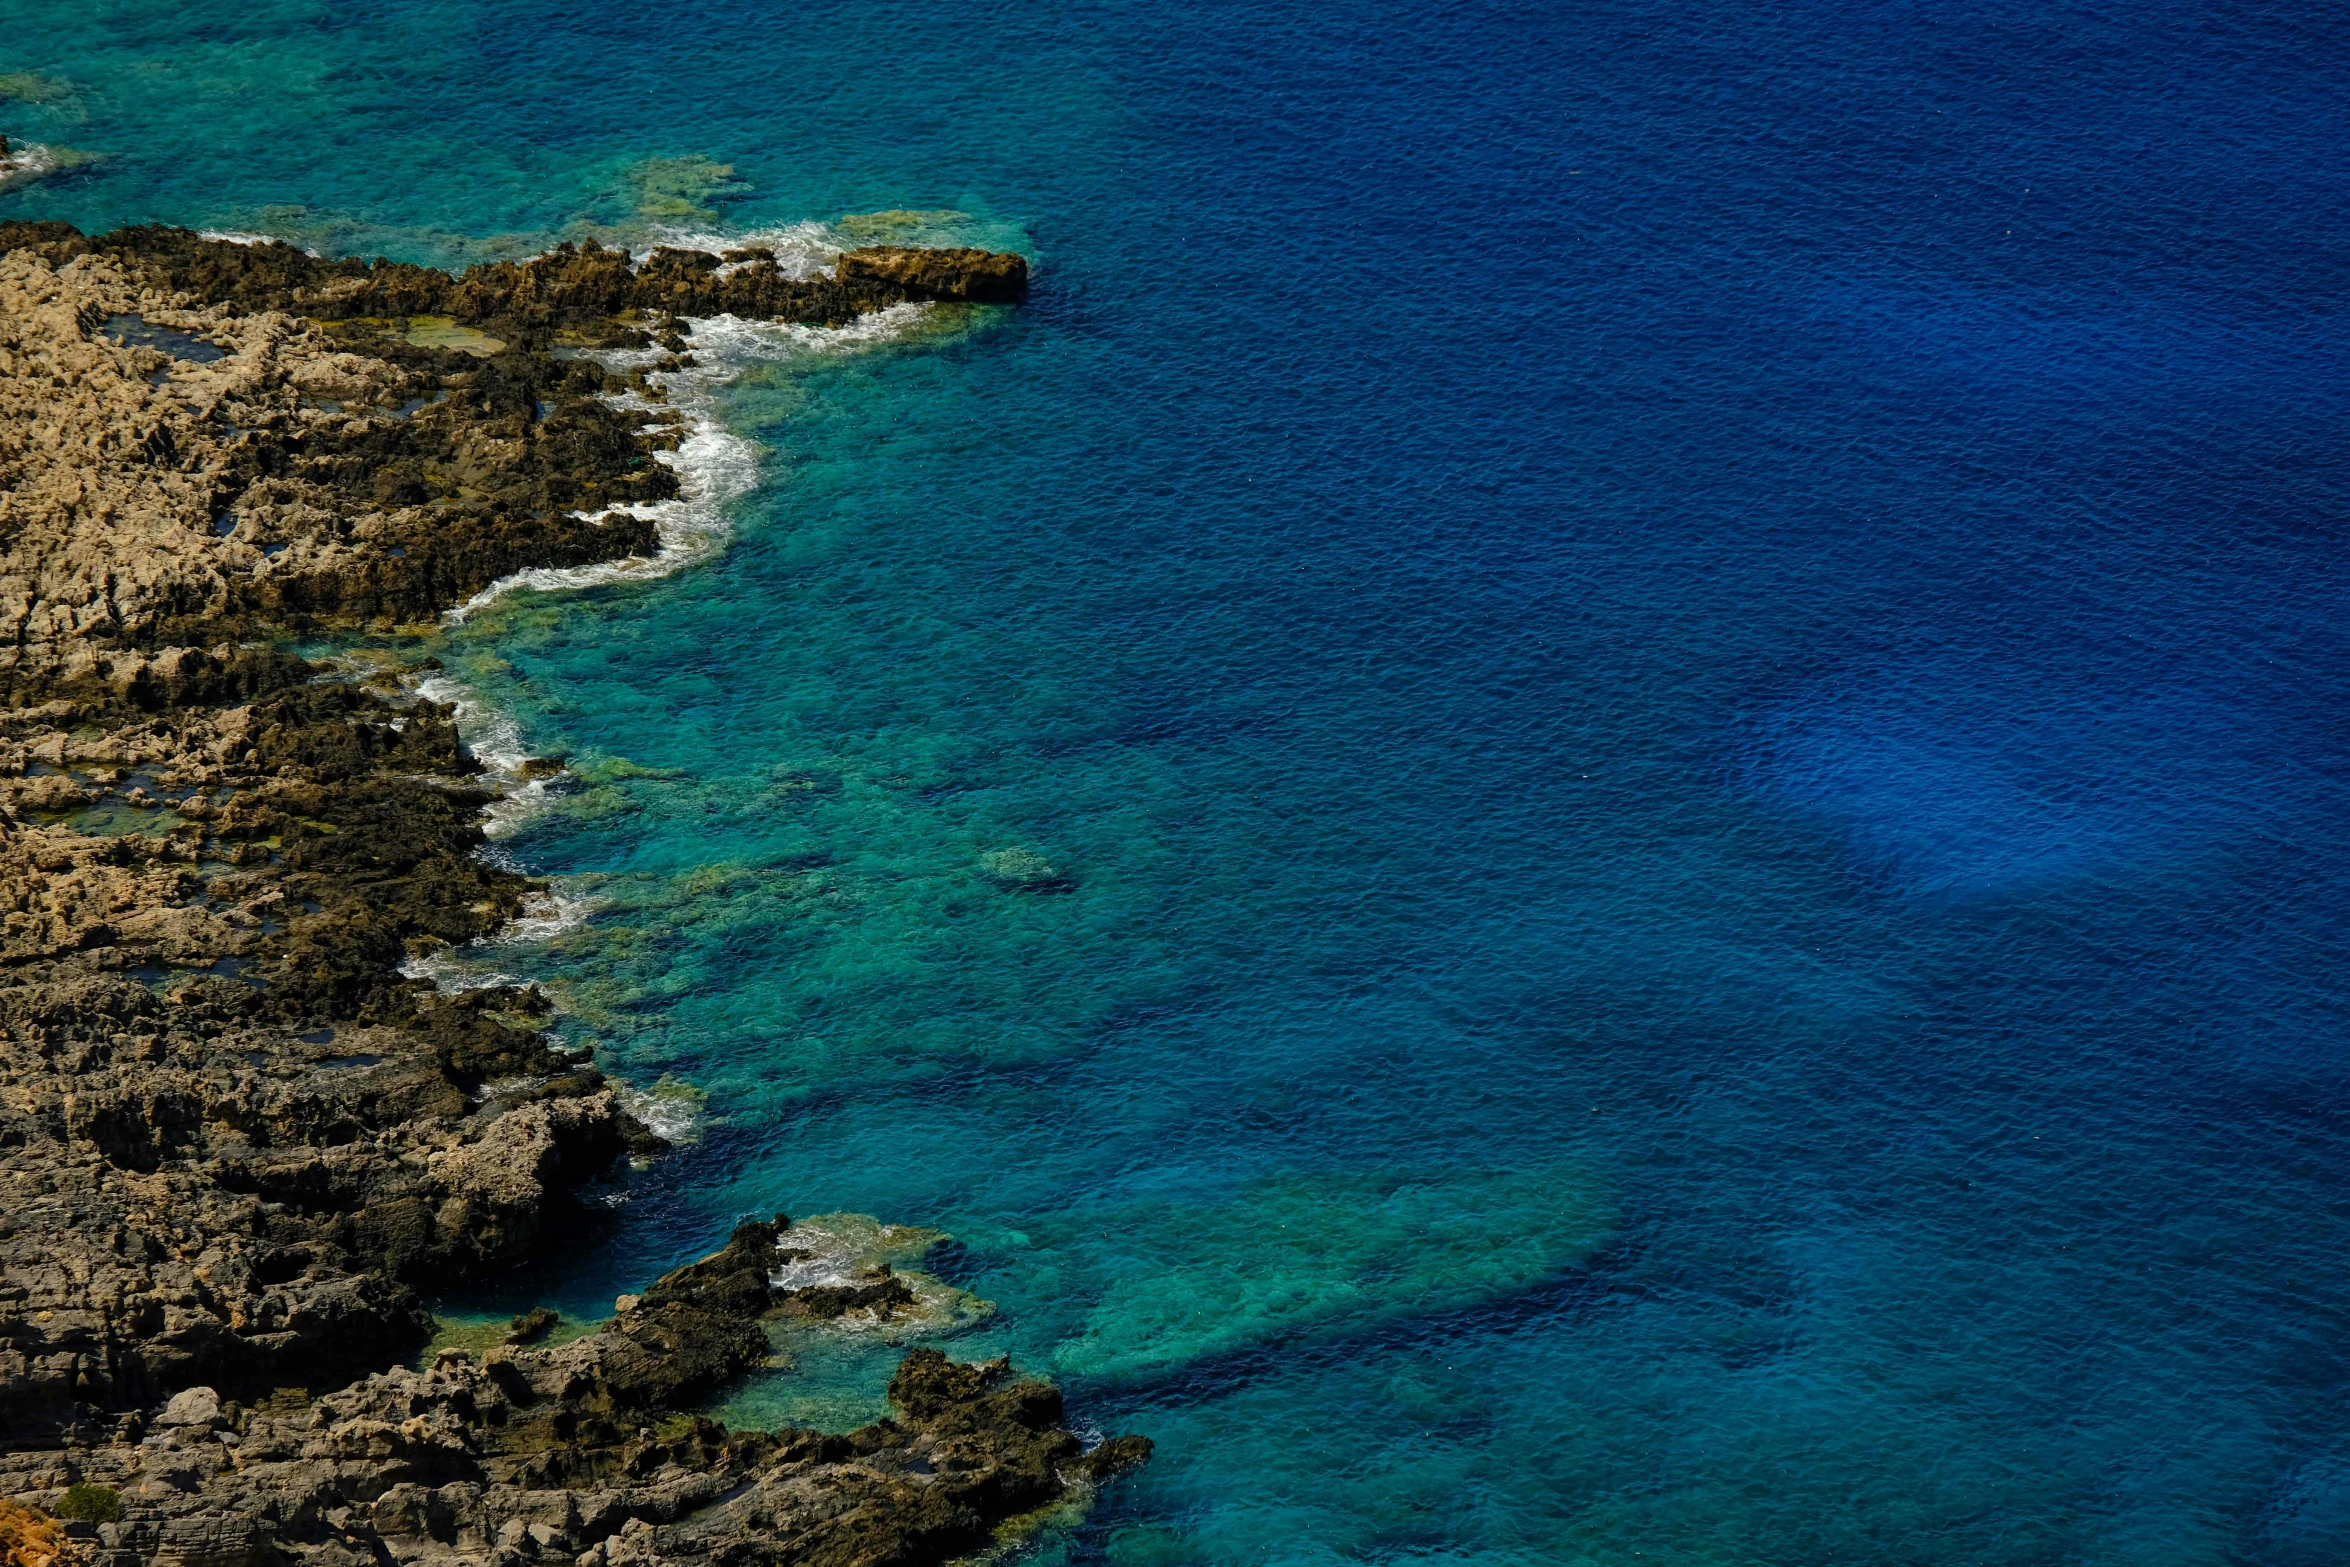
column 191, row 1406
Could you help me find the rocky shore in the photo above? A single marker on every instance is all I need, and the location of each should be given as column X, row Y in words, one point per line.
column 234, row 1139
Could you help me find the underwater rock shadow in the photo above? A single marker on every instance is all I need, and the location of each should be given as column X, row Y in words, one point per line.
column 1570, row 1292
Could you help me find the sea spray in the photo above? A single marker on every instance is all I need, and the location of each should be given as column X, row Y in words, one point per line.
column 518, row 793
column 673, row 1110
column 545, row 915
column 495, row 740
column 26, row 162
column 248, row 238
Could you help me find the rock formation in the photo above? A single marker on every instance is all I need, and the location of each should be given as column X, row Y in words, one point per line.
column 579, row 1454
column 233, row 1137
column 988, row 277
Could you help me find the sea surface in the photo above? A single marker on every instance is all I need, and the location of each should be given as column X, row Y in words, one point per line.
column 1590, row 808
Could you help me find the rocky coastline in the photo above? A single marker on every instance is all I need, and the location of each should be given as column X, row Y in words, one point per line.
column 234, row 1138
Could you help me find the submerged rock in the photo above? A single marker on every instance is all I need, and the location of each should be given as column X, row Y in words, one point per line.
column 532, row 1325
column 854, row 1272
column 25, row 162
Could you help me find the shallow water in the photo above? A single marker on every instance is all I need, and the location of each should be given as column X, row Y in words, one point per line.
column 1587, row 809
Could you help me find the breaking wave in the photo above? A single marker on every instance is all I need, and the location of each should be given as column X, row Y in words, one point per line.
column 715, row 467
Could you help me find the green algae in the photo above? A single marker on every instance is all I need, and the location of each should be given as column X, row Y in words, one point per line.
column 443, row 332
column 942, row 226
column 477, row 1333
column 615, row 769
column 113, row 817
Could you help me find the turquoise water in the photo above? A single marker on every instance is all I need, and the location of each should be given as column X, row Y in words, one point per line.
column 1588, row 808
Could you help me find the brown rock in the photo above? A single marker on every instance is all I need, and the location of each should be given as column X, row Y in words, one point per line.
column 982, row 276
column 234, row 1137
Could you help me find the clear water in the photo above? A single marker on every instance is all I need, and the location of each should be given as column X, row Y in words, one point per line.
column 1588, row 810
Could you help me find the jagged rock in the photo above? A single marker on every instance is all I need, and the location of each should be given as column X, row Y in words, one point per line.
column 982, row 276
column 532, row 1325
column 1116, row 1456
column 551, row 1454
column 234, row 1138
column 191, row 1406
column 578, row 288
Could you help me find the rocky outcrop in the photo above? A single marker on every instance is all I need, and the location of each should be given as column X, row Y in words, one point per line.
column 576, row 1455
column 153, row 506
column 234, row 1136
column 571, row 289
column 984, row 276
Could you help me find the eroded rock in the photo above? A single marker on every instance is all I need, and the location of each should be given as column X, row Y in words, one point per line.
column 234, row 1137
column 982, row 276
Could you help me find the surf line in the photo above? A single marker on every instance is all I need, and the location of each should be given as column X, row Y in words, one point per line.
column 716, row 468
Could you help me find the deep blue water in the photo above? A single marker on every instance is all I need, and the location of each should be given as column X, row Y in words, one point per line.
column 1588, row 809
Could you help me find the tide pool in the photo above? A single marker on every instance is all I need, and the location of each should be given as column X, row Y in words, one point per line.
column 1588, row 808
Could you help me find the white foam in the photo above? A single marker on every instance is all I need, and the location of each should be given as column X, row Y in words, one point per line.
column 26, row 160
column 714, row 466
column 830, row 1259
column 496, row 742
column 494, row 739
column 670, row 1117
column 801, row 249
column 449, row 975
column 846, row 1248
column 735, row 343
column 544, row 916
column 241, row 237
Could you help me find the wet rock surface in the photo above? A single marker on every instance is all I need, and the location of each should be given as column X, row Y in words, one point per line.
column 234, row 1137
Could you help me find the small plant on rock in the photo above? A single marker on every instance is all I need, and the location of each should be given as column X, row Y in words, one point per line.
column 91, row 1503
